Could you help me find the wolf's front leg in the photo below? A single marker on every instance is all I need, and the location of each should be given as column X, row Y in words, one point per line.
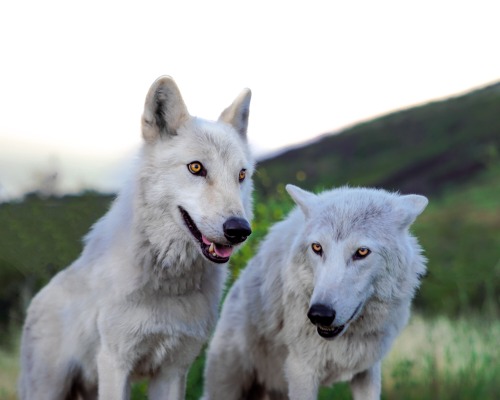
column 168, row 384
column 367, row 384
column 114, row 381
column 302, row 381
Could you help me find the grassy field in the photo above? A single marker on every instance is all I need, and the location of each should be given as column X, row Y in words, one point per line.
column 9, row 367
column 444, row 359
column 434, row 358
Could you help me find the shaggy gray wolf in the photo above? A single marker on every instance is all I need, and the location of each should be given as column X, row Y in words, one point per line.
column 322, row 301
column 143, row 297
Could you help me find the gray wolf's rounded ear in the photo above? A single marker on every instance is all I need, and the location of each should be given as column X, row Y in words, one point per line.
column 164, row 110
column 304, row 199
column 409, row 207
column 237, row 113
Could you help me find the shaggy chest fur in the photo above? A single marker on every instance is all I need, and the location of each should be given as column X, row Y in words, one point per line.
column 331, row 360
column 341, row 358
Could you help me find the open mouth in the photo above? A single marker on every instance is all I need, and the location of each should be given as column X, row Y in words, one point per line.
column 329, row 332
column 215, row 252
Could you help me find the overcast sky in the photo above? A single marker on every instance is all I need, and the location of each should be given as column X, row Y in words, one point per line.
column 73, row 76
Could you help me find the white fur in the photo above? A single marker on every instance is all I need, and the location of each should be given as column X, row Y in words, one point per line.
column 265, row 347
column 142, row 299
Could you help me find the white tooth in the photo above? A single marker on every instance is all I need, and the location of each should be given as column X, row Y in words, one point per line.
column 211, row 249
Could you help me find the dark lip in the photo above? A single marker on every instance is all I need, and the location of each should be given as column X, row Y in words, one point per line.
column 197, row 235
column 330, row 332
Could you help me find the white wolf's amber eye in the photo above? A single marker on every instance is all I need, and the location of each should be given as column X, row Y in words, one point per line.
column 243, row 174
column 196, row 168
column 360, row 253
column 317, row 248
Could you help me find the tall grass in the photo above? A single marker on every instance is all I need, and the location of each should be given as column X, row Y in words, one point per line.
column 445, row 359
column 434, row 358
column 9, row 369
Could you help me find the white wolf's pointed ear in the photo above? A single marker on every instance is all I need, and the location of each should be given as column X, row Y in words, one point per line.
column 237, row 113
column 164, row 110
column 301, row 197
column 409, row 207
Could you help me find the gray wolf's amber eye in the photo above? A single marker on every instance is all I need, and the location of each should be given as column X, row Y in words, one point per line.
column 196, row 168
column 316, row 247
column 360, row 253
column 243, row 174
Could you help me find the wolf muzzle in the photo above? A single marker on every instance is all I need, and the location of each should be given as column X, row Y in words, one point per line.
column 320, row 314
column 323, row 317
column 236, row 230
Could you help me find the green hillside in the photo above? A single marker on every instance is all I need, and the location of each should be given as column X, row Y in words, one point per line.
column 424, row 149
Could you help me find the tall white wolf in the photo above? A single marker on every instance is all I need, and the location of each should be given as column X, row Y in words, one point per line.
column 143, row 297
column 322, row 301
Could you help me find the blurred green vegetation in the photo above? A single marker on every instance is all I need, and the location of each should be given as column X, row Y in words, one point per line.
column 38, row 237
column 447, row 150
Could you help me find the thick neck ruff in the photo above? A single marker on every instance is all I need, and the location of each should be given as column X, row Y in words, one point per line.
column 176, row 269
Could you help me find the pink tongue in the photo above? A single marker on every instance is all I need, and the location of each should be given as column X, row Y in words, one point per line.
column 220, row 250
column 223, row 251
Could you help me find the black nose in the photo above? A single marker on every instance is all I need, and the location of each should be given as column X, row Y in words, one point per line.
column 320, row 314
column 236, row 230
